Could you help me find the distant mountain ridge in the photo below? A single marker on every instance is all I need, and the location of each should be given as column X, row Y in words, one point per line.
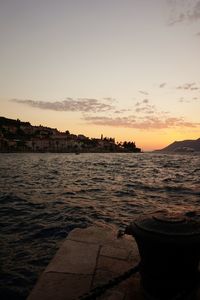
column 182, row 146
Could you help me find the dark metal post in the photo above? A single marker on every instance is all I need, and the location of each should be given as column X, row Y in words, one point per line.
column 169, row 247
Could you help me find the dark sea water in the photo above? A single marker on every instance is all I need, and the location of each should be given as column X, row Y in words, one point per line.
column 44, row 196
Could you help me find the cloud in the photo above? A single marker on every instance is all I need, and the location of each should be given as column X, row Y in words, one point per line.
column 75, row 105
column 121, row 111
column 183, row 100
column 144, row 101
column 111, row 121
column 188, row 86
column 184, row 11
column 146, row 123
column 144, row 107
column 143, row 92
column 109, row 99
column 147, row 110
column 162, row 85
column 145, row 116
column 195, row 14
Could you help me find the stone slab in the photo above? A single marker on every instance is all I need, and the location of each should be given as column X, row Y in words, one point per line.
column 128, row 289
column 74, row 258
column 115, row 266
column 103, row 236
column 87, row 258
column 102, row 277
column 115, row 252
column 59, row 286
column 93, row 234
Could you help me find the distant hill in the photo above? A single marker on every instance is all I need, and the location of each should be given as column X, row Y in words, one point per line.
column 185, row 146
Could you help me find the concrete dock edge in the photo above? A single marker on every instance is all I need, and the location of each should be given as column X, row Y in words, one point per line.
column 87, row 258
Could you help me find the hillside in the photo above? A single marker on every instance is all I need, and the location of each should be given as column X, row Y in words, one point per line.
column 183, row 146
column 17, row 136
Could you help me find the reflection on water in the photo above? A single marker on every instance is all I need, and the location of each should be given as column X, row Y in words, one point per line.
column 44, row 196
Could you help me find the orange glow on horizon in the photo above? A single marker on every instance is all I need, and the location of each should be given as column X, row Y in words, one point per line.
column 147, row 140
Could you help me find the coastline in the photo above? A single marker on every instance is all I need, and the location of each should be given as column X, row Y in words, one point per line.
column 17, row 137
column 72, row 152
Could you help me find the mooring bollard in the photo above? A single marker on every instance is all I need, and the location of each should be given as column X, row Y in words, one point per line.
column 169, row 246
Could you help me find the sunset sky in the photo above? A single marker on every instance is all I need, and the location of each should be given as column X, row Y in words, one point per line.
column 126, row 69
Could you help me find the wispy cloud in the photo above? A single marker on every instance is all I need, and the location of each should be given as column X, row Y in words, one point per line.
column 144, row 116
column 109, row 99
column 162, row 85
column 143, row 92
column 144, row 107
column 145, row 101
column 188, row 86
column 73, row 105
column 111, row 121
column 184, row 11
column 121, row 111
column 147, row 123
column 183, row 100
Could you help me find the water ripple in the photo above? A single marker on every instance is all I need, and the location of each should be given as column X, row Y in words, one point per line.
column 44, row 196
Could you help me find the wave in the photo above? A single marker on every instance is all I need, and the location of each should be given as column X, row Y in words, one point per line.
column 44, row 197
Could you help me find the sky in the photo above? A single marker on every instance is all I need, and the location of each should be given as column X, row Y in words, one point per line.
column 126, row 69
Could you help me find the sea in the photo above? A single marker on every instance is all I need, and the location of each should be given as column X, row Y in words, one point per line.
column 43, row 196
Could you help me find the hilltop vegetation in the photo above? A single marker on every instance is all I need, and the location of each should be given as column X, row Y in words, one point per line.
column 186, row 146
column 17, row 136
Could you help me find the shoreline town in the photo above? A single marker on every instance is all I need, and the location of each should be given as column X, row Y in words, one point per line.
column 17, row 136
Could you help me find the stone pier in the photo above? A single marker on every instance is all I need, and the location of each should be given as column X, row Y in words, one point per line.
column 88, row 258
